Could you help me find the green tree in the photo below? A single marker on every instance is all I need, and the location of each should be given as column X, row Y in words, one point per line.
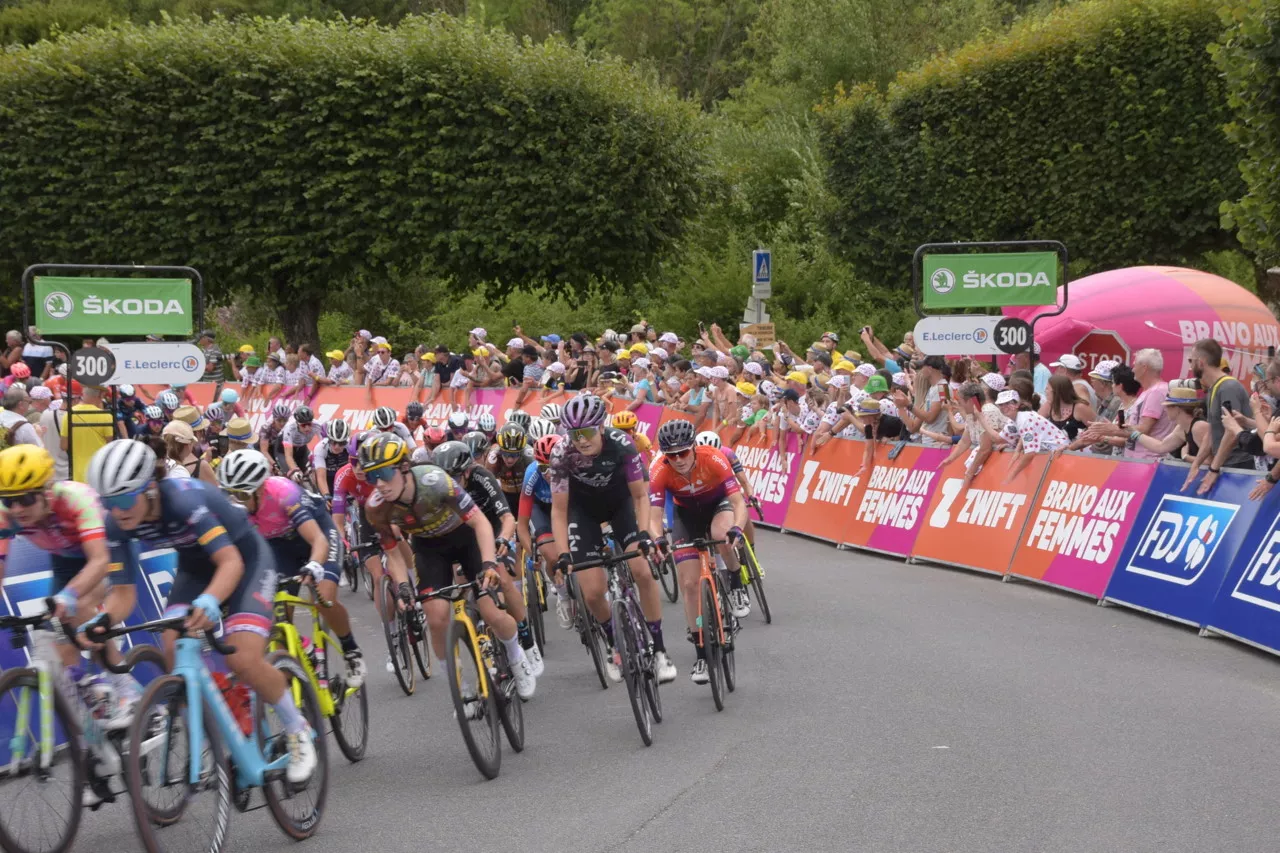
column 298, row 158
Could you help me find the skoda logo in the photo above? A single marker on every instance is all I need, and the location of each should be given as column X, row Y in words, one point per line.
column 59, row 305
column 190, row 363
column 980, row 336
column 942, row 280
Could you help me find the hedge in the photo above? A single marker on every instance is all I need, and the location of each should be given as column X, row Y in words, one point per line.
column 291, row 156
column 1099, row 125
column 1249, row 57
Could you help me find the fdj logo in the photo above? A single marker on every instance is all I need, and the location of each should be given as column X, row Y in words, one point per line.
column 1258, row 583
column 943, row 280
column 59, row 305
column 1181, row 538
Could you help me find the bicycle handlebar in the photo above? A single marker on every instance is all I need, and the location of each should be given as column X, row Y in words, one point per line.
column 447, row 591
column 299, row 579
column 702, row 544
column 754, row 503
column 173, row 623
column 611, row 560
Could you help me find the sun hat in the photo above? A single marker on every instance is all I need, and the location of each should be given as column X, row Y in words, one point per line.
column 993, row 380
column 239, row 429
column 1008, row 396
column 1183, row 397
column 180, row 430
column 876, row 385
column 1102, row 370
column 253, row 361
column 869, row 406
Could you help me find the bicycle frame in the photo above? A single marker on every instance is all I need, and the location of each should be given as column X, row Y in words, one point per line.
column 45, row 662
column 460, row 614
column 751, row 552
column 321, row 640
column 706, row 561
column 251, row 768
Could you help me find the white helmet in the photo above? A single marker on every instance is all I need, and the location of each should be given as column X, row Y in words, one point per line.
column 243, row 470
column 122, row 467
column 552, row 412
column 458, row 420
column 540, row 427
column 384, row 417
column 420, row 456
column 486, row 422
column 708, row 438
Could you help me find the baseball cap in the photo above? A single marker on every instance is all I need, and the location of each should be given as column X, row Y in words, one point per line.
column 876, row 385
column 639, row 348
column 867, row 370
column 378, row 340
column 1035, row 348
column 624, row 355
column 551, row 339
column 641, row 362
column 719, row 372
column 1069, row 361
column 515, row 343
column 668, row 338
column 753, row 368
column 336, row 353
column 900, row 378
column 831, row 335
column 366, row 334
column 479, row 333
column 838, row 381
column 797, row 376
column 993, row 380
column 791, row 395
column 383, row 345
column 844, row 364
column 638, row 329
column 746, row 389
column 556, row 367
column 1102, row 370
column 40, row 393
column 1008, row 396
column 246, row 349
column 704, row 372
column 427, row 356
column 659, row 354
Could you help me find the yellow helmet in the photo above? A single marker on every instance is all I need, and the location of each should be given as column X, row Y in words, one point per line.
column 24, row 468
column 625, row 420
column 382, row 451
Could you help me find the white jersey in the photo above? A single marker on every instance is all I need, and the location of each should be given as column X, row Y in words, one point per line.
column 403, row 431
column 342, row 374
column 375, row 370
column 297, row 436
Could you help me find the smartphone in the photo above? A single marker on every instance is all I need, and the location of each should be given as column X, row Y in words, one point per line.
column 869, row 432
column 1120, row 418
column 1226, row 404
column 946, row 392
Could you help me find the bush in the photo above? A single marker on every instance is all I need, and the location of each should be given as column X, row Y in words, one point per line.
column 1250, row 63
column 1099, row 125
column 295, row 158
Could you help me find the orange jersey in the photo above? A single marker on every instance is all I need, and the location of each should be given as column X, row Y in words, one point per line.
column 710, row 481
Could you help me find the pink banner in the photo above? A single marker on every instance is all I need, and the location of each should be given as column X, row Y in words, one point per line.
column 772, row 474
column 889, row 510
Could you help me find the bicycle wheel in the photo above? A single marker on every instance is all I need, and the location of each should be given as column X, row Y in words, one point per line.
column 477, row 717
column 397, row 637
column 668, row 577
column 369, row 586
column 420, row 642
column 351, row 568
column 730, row 623
column 632, row 671
column 708, row 624
column 195, row 817
column 297, row 809
column 510, row 706
column 146, row 663
column 755, row 580
column 39, row 806
column 535, row 604
column 350, row 708
column 591, row 633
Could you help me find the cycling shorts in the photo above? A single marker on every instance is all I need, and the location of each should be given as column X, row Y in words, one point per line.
column 293, row 552
column 434, row 557
column 695, row 523
column 540, row 519
column 249, row 606
column 586, row 540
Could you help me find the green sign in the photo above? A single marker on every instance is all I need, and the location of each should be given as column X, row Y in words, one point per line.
column 82, row 305
column 990, row 280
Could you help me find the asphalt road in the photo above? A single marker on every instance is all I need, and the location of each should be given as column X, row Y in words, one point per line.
column 889, row 707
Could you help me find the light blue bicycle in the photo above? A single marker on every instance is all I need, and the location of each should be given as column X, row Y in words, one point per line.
column 182, row 782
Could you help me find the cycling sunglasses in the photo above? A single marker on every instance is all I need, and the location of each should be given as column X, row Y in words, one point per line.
column 678, row 454
column 583, row 433
column 240, row 495
column 11, row 501
column 123, row 502
column 380, row 475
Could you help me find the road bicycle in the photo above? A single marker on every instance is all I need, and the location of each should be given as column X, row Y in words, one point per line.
column 358, row 553
column 633, row 641
column 480, row 679
column 406, row 635
column 753, row 576
column 717, row 626
column 589, row 630
column 664, row 562
column 189, row 761
column 51, row 743
column 346, row 707
column 534, row 590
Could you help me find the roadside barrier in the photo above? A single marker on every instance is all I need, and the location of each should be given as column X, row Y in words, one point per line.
column 1114, row 531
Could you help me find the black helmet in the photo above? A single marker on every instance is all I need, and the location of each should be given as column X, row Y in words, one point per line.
column 675, row 435
column 454, row 457
column 477, row 441
column 303, row 416
column 512, row 438
column 413, row 411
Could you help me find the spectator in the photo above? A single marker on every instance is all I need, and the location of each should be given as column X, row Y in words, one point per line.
column 925, row 412
column 308, row 361
column 381, row 369
column 37, row 354
column 14, row 426
column 12, row 353
column 41, row 398
column 1065, row 408
column 1027, row 431
column 447, row 364
column 1222, row 391
column 1070, row 366
column 513, row 370
column 212, row 356
column 92, row 428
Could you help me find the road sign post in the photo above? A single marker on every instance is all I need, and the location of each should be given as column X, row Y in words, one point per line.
column 761, row 283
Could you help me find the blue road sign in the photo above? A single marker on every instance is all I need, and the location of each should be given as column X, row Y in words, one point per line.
column 762, row 266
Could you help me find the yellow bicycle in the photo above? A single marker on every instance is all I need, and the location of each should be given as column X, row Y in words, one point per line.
column 346, row 707
column 480, row 680
column 753, row 576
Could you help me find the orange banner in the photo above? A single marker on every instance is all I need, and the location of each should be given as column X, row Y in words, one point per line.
column 979, row 527
column 827, row 490
column 889, row 511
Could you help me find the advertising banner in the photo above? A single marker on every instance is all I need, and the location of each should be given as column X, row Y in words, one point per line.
column 1182, row 545
column 84, row 305
column 1247, row 606
column 171, row 363
column 1081, row 519
column 958, row 334
column 990, row 280
column 979, row 527
column 826, row 490
column 648, row 416
column 890, row 509
column 771, row 474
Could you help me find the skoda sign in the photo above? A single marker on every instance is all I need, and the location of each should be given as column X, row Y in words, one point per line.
column 87, row 305
column 156, row 363
column 958, row 334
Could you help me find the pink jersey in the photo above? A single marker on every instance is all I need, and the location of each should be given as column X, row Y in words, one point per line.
column 283, row 508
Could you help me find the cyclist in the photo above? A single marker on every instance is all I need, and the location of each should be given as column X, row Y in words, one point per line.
column 509, row 458
column 433, row 437
column 221, row 560
column 478, row 442
column 553, row 412
column 294, row 457
column 64, row 519
column 487, row 425
column 738, row 597
column 169, row 403
column 384, row 419
column 534, row 515
column 330, row 455
column 628, row 423
column 269, row 439
column 154, row 424
column 540, row 428
column 412, row 419
column 708, row 503
column 444, row 527
column 596, row 478
column 456, row 460
column 299, row 532
column 521, row 419
column 218, row 443
column 458, row 425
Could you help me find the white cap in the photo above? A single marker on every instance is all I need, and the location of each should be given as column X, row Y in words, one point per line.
column 62, row 369
column 366, row 334
column 556, row 367
column 668, row 338
column 1035, row 348
column 658, row 353
column 993, row 380
column 40, row 392
column 1103, row 369
column 719, row 372
column 867, row 370
column 900, row 378
column 379, row 340
column 1009, row 396
column 838, row 381
column 517, row 343
column 754, row 368
column 1069, row 361
column 479, row 333
column 641, row 362
column 704, row 372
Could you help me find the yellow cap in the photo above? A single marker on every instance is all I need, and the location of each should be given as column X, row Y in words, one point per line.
column 247, row 349
column 844, row 365
column 624, row 354
column 427, row 356
column 746, row 389
column 336, row 353
column 642, row 349
column 797, row 376
column 479, row 353
column 384, row 346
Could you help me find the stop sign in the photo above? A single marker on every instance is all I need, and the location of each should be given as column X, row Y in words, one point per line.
column 1101, row 346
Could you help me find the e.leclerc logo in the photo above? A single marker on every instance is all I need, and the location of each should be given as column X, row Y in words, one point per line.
column 943, row 280
column 59, row 305
column 980, row 336
column 190, row 363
